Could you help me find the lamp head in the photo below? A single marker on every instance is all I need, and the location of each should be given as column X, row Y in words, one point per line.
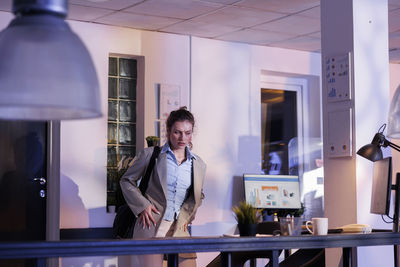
column 373, row 151
column 55, row 7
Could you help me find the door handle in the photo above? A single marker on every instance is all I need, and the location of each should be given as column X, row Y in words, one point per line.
column 41, row 180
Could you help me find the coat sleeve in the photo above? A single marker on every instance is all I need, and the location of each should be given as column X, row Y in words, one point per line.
column 129, row 182
column 199, row 177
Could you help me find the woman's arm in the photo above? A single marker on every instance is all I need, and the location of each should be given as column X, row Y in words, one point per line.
column 129, row 182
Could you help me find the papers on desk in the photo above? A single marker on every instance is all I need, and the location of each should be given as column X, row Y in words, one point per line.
column 237, row 235
column 356, row 228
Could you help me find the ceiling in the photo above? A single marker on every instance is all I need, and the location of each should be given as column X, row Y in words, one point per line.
column 293, row 24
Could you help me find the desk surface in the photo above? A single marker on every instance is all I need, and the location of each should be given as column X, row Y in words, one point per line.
column 48, row 249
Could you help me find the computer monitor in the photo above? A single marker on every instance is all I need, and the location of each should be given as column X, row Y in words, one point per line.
column 381, row 186
column 275, row 192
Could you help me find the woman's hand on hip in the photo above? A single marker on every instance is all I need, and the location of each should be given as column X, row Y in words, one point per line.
column 184, row 227
column 146, row 216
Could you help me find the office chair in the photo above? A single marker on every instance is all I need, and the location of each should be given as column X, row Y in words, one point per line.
column 240, row 257
column 305, row 258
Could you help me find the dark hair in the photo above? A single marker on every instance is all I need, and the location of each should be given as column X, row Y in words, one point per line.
column 181, row 114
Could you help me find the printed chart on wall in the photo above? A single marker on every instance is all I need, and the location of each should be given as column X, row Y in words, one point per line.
column 170, row 99
column 272, row 191
column 338, row 77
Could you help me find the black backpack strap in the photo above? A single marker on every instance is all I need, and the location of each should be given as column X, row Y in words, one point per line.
column 145, row 180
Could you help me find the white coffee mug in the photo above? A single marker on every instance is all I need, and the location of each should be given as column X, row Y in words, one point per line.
column 319, row 226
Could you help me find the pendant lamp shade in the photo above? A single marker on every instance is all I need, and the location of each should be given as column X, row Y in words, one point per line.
column 46, row 72
column 394, row 116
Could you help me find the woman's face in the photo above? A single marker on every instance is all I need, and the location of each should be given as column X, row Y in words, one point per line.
column 180, row 135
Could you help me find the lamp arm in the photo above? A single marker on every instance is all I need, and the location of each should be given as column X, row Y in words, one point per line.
column 394, row 146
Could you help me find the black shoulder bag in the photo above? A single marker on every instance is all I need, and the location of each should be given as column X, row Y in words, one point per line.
column 124, row 220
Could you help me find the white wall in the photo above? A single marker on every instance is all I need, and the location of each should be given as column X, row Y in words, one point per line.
column 371, row 64
column 225, row 79
column 226, row 103
column 167, row 61
column 83, row 188
column 394, row 73
column 84, row 142
column 363, row 32
column 225, row 100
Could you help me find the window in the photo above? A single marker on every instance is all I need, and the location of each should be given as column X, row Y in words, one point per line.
column 290, row 136
column 122, row 114
column 279, row 131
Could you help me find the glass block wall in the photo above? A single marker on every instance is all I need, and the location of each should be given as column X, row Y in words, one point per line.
column 121, row 144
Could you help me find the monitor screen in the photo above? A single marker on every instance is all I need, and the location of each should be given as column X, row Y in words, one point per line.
column 272, row 191
column 381, row 186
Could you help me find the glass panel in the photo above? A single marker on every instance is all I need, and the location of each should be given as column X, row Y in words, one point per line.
column 279, row 127
column 112, row 110
column 127, row 151
column 112, row 66
column 121, row 116
column 127, row 134
column 127, row 67
column 112, row 156
column 111, row 198
column 112, row 133
column 127, row 88
column 112, row 177
column 313, row 177
column 112, row 87
column 127, row 111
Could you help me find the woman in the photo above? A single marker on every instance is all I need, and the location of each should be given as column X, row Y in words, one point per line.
column 175, row 189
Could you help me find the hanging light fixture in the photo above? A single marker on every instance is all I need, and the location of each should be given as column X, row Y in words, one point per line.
column 394, row 116
column 46, row 72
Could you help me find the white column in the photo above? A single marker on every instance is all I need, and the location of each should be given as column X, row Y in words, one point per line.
column 358, row 28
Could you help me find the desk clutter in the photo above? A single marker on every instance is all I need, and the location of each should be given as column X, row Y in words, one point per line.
column 356, row 228
column 295, row 226
column 348, row 228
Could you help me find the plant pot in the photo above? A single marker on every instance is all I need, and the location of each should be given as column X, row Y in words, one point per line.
column 152, row 143
column 247, row 229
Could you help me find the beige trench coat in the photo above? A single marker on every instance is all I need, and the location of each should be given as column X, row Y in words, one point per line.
column 157, row 190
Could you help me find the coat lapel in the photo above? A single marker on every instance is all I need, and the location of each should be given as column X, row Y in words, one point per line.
column 197, row 181
column 162, row 171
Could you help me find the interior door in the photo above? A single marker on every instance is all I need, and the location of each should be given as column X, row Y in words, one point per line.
column 22, row 183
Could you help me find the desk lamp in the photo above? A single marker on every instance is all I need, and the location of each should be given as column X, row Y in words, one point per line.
column 46, row 72
column 373, row 152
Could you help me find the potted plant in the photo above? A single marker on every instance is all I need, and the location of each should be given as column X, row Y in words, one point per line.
column 152, row 140
column 247, row 217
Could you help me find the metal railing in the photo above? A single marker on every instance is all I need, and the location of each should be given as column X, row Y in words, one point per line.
column 41, row 250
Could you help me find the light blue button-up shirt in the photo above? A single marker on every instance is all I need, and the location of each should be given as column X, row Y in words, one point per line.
column 179, row 179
